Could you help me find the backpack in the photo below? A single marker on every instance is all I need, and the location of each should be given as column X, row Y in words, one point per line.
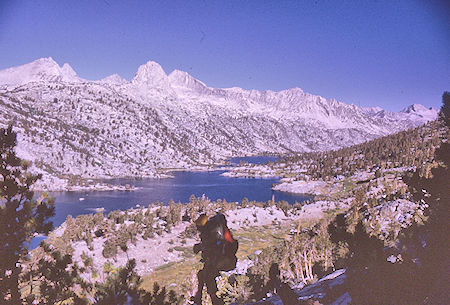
column 231, row 244
column 218, row 235
column 228, row 261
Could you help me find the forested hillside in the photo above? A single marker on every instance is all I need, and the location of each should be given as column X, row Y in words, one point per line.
column 406, row 149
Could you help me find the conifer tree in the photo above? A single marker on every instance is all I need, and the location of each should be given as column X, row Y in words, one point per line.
column 59, row 278
column 122, row 287
column 21, row 215
column 430, row 241
column 445, row 110
column 418, row 273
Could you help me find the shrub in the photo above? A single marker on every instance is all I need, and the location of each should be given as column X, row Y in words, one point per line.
column 109, row 249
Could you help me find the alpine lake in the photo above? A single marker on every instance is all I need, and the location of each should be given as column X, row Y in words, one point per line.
column 209, row 184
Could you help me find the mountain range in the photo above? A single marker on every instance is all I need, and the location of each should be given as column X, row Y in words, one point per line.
column 72, row 128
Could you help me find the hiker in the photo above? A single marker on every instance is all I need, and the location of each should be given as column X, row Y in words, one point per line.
column 218, row 249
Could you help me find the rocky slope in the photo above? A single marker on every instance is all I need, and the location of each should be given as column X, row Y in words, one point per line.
column 74, row 128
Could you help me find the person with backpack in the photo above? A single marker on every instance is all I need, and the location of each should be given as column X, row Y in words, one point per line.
column 218, row 249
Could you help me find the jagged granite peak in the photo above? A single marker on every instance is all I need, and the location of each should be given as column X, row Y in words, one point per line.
column 415, row 108
column 41, row 63
column 114, row 79
column 421, row 111
column 184, row 80
column 67, row 71
column 42, row 69
column 24, row 73
column 151, row 76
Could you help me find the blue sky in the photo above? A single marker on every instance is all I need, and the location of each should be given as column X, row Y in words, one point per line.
column 369, row 53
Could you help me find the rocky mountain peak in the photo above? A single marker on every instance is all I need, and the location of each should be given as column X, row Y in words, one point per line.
column 421, row 111
column 67, row 71
column 114, row 79
column 151, row 75
column 183, row 79
column 42, row 69
column 44, row 61
column 415, row 108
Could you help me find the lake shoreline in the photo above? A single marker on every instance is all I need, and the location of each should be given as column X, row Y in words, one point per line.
column 122, row 194
column 61, row 184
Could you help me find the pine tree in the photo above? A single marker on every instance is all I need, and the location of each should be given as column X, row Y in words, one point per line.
column 21, row 215
column 419, row 272
column 445, row 110
column 430, row 241
column 59, row 278
column 122, row 287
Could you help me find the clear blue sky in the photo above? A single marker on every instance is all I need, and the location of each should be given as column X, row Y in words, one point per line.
column 369, row 53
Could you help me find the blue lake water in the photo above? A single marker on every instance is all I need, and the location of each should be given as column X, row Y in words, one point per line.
column 180, row 188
